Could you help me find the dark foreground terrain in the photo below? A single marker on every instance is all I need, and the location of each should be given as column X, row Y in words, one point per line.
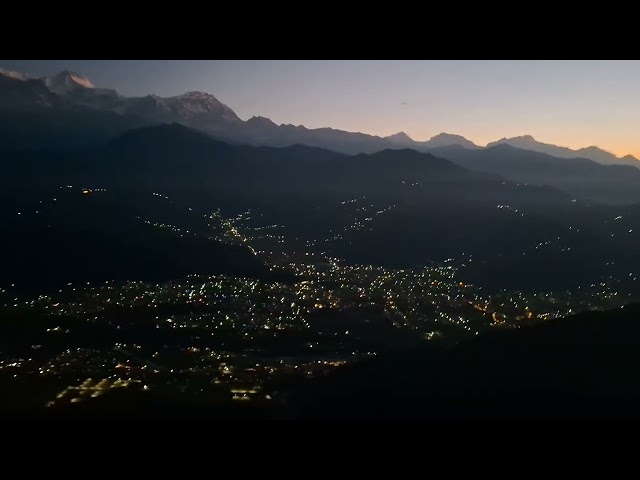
column 584, row 366
column 581, row 367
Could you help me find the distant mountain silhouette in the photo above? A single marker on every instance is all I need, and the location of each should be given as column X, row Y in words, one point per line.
column 441, row 209
column 175, row 153
column 68, row 90
column 582, row 177
column 178, row 155
column 261, row 122
column 401, row 139
column 527, row 142
column 577, row 367
column 447, row 139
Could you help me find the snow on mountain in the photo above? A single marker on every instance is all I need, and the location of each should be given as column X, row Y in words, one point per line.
column 67, row 82
column 19, row 91
column 196, row 109
column 15, row 75
column 68, row 89
column 204, row 111
column 192, row 104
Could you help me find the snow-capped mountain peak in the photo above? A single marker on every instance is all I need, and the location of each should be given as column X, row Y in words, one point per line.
column 199, row 109
column 67, row 82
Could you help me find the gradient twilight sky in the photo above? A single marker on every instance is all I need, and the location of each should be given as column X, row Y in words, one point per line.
column 568, row 103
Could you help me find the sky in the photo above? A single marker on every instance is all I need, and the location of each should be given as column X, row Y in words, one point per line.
column 569, row 103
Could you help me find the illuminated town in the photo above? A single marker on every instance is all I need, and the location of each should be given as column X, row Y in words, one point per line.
column 244, row 339
column 376, row 240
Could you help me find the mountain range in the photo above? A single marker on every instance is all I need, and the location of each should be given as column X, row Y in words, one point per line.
column 433, row 206
column 582, row 177
column 103, row 190
column 527, row 142
column 70, row 93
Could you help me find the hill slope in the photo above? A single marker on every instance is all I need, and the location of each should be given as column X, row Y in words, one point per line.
column 583, row 178
column 527, row 142
column 578, row 367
